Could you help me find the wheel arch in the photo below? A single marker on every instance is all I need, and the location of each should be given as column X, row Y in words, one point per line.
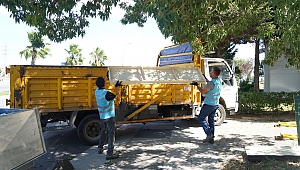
column 222, row 102
column 82, row 114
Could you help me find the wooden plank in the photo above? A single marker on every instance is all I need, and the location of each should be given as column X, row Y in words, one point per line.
column 155, row 75
column 259, row 153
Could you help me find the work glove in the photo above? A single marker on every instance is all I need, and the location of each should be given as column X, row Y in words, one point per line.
column 194, row 83
column 118, row 83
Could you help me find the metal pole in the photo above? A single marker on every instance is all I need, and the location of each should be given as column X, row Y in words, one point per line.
column 296, row 101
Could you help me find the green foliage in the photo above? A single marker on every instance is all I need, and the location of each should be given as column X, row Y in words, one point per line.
column 230, row 51
column 211, row 25
column 97, row 57
column 37, row 48
column 208, row 25
column 59, row 19
column 246, row 86
column 257, row 103
column 36, row 40
column 74, row 55
column 285, row 39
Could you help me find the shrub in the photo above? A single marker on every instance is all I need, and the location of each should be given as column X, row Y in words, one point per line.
column 257, row 103
column 246, row 86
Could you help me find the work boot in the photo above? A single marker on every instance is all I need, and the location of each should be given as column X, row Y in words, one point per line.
column 208, row 138
column 212, row 141
column 112, row 156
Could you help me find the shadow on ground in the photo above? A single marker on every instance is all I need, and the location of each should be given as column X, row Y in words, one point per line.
column 180, row 146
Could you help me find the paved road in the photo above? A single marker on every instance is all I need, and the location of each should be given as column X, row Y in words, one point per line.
column 60, row 145
column 177, row 145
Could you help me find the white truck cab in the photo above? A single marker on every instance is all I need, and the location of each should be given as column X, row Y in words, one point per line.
column 229, row 91
column 183, row 55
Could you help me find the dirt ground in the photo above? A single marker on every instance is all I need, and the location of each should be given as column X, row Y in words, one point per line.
column 287, row 116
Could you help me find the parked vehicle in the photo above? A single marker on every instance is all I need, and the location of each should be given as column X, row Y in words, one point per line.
column 66, row 93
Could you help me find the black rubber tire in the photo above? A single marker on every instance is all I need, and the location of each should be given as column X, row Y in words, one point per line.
column 88, row 129
column 220, row 115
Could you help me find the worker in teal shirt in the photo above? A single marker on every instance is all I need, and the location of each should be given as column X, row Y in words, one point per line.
column 106, row 108
column 212, row 92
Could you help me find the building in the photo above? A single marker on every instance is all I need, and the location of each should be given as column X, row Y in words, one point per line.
column 278, row 78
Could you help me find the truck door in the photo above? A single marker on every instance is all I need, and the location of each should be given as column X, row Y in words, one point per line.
column 230, row 89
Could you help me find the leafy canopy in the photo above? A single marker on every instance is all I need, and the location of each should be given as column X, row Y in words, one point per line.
column 209, row 24
column 58, row 19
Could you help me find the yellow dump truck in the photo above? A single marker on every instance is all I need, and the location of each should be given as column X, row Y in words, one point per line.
column 66, row 93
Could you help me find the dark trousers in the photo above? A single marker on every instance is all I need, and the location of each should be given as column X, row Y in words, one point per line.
column 108, row 127
column 210, row 112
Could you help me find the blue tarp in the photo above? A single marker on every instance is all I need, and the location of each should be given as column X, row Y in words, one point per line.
column 183, row 48
column 176, row 60
column 176, row 50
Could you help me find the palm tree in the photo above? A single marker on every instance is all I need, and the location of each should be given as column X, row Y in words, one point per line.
column 75, row 56
column 97, row 57
column 37, row 49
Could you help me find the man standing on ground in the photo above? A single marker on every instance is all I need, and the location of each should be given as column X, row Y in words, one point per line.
column 106, row 108
column 212, row 92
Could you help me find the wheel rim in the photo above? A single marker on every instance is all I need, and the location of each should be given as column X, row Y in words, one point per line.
column 217, row 116
column 92, row 130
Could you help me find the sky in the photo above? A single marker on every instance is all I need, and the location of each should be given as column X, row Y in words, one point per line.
column 127, row 45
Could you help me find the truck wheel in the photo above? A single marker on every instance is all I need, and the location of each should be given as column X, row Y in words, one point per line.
column 88, row 129
column 220, row 115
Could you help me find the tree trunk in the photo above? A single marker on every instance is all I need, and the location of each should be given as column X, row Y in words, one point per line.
column 219, row 52
column 33, row 56
column 256, row 66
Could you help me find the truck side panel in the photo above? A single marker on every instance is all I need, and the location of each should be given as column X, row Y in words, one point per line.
column 142, row 94
column 54, row 88
column 60, row 94
column 67, row 88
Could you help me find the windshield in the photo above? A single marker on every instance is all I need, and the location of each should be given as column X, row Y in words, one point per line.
column 225, row 74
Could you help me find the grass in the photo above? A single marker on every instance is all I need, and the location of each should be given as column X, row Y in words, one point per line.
column 5, row 93
column 268, row 164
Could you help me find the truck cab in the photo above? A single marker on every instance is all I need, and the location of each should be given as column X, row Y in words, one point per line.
column 182, row 55
column 229, row 93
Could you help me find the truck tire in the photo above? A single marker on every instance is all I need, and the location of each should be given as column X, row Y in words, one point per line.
column 88, row 129
column 220, row 115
